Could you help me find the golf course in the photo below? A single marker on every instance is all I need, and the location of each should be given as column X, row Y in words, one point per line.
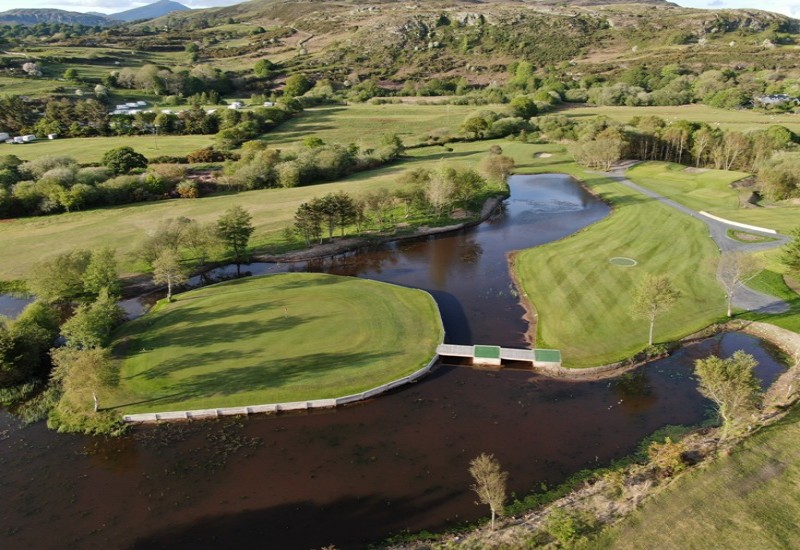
column 273, row 339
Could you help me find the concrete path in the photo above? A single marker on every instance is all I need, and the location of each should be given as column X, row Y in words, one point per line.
column 743, row 298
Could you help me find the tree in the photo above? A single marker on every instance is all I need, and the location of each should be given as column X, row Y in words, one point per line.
column 733, row 271
column 80, row 374
column 524, row 107
column 490, row 483
column 263, row 68
column 653, row 295
column 497, row 168
column 167, row 269
column 60, row 279
column 71, row 74
column 308, row 221
column 25, row 342
column 122, row 160
column 235, row 228
column 92, row 324
column 791, row 252
column 101, row 273
column 296, row 85
column 731, row 385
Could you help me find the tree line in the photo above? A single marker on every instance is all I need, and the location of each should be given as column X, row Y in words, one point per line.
column 55, row 361
column 422, row 192
column 771, row 154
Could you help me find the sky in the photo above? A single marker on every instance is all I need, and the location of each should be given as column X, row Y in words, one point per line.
column 787, row 7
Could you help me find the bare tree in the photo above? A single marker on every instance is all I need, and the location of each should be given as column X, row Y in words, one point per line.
column 168, row 269
column 490, row 483
column 653, row 295
column 734, row 270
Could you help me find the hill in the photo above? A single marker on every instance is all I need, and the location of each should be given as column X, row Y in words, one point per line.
column 34, row 16
column 394, row 42
column 151, row 11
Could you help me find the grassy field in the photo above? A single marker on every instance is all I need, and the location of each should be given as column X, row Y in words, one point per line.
column 273, row 339
column 750, row 499
column 26, row 240
column 742, row 121
column 583, row 301
column 710, row 191
column 365, row 124
column 88, row 150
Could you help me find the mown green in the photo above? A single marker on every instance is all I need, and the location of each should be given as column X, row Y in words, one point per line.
column 272, row 339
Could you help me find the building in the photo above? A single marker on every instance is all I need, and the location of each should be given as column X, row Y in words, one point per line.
column 776, row 99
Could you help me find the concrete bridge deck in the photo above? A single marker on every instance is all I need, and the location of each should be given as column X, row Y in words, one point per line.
column 494, row 355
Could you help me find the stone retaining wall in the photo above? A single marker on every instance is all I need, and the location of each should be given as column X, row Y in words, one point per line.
column 274, row 408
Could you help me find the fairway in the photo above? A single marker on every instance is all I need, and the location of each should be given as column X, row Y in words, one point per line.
column 583, row 302
column 711, row 191
column 273, row 339
column 739, row 120
column 750, row 499
column 365, row 124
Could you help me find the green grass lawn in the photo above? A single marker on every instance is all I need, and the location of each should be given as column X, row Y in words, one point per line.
column 741, row 121
column 87, row 150
column 750, row 499
column 272, row 339
column 583, row 301
column 26, row 240
column 710, row 191
column 772, row 283
column 365, row 124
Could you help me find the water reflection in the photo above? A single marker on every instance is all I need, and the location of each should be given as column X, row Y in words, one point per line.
column 355, row 474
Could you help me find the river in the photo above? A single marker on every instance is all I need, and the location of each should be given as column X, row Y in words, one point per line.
column 359, row 473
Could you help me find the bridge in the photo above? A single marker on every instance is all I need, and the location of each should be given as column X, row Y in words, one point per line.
column 494, row 355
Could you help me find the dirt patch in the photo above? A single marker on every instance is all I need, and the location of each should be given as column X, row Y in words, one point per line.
column 770, row 470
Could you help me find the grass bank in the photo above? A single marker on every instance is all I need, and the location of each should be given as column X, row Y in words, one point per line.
column 583, row 301
column 273, row 339
column 747, row 499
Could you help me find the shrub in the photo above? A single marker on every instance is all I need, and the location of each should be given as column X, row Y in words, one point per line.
column 206, row 154
column 92, row 175
column 123, row 160
column 35, row 169
column 187, row 189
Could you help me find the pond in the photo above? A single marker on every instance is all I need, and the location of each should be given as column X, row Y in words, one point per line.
column 359, row 473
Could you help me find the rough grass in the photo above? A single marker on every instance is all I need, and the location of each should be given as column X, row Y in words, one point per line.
column 750, row 499
column 583, row 301
column 710, row 191
column 742, row 120
column 26, row 240
column 278, row 338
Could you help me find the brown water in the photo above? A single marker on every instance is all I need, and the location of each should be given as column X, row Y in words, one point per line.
column 357, row 474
